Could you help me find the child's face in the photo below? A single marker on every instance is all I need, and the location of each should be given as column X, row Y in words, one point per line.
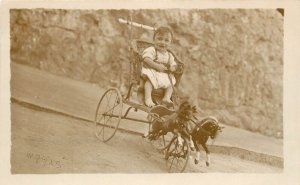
column 162, row 41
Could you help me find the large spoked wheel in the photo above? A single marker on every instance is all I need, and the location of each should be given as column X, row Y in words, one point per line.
column 108, row 114
column 177, row 155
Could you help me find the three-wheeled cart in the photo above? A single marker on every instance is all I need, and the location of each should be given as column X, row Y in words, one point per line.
column 109, row 112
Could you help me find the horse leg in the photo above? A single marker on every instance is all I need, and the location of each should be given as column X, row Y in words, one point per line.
column 207, row 154
column 154, row 130
column 192, row 145
column 179, row 139
column 197, row 158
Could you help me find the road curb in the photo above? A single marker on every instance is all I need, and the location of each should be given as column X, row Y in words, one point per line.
column 248, row 155
column 226, row 150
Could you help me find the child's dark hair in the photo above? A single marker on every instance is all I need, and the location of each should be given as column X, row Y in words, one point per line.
column 163, row 30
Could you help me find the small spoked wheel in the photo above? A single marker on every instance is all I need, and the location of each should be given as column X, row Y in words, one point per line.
column 177, row 155
column 108, row 114
column 161, row 142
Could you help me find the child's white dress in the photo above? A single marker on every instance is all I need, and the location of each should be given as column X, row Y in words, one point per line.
column 158, row 79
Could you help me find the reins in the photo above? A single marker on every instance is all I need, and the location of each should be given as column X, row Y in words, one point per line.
column 174, row 90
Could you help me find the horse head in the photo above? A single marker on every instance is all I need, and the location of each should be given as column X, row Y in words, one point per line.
column 207, row 127
column 211, row 125
column 186, row 111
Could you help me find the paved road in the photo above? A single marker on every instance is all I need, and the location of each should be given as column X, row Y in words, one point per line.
column 78, row 99
column 44, row 142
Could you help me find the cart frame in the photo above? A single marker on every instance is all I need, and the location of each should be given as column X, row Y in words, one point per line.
column 110, row 106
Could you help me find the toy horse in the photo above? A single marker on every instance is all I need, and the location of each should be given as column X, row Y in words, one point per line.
column 207, row 127
column 175, row 121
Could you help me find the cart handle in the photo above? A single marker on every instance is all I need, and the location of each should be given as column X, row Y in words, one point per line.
column 123, row 21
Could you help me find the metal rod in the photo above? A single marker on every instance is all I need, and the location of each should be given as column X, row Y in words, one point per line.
column 122, row 129
column 136, row 24
column 129, row 92
column 139, row 120
column 133, row 119
column 125, row 115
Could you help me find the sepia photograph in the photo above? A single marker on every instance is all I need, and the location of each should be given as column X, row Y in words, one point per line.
column 147, row 91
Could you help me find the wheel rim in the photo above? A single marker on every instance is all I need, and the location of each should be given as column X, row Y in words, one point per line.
column 108, row 114
column 177, row 156
column 162, row 142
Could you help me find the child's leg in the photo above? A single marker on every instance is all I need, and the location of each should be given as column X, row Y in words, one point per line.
column 148, row 90
column 168, row 94
column 142, row 82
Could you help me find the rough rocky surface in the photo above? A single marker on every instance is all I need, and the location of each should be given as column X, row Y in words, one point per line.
column 233, row 58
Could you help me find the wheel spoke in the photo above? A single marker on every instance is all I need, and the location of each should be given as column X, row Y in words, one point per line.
column 113, row 108
column 177, row 156
column 98, row 122
column 101, row 117
column 108, row 123
column 179, row 162
column 103, row 129
column 110, row 109
column 172, row 163
column 108, row 102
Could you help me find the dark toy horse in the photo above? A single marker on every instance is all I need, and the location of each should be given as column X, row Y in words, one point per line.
column 178, row 123
column 207, row 127
column 175, row 122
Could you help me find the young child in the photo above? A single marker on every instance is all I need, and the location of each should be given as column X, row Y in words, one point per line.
column 157, row 62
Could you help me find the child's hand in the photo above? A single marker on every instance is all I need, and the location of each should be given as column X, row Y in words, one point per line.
column 161, row 68
column 172, row 68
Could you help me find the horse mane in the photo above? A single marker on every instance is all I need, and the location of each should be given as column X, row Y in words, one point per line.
column 209, row 119
column 206, row 120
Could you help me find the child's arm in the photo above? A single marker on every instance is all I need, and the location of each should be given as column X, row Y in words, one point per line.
column 173, row 64
column 154, row 65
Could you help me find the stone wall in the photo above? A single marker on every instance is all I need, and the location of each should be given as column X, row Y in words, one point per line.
column 233, row 58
